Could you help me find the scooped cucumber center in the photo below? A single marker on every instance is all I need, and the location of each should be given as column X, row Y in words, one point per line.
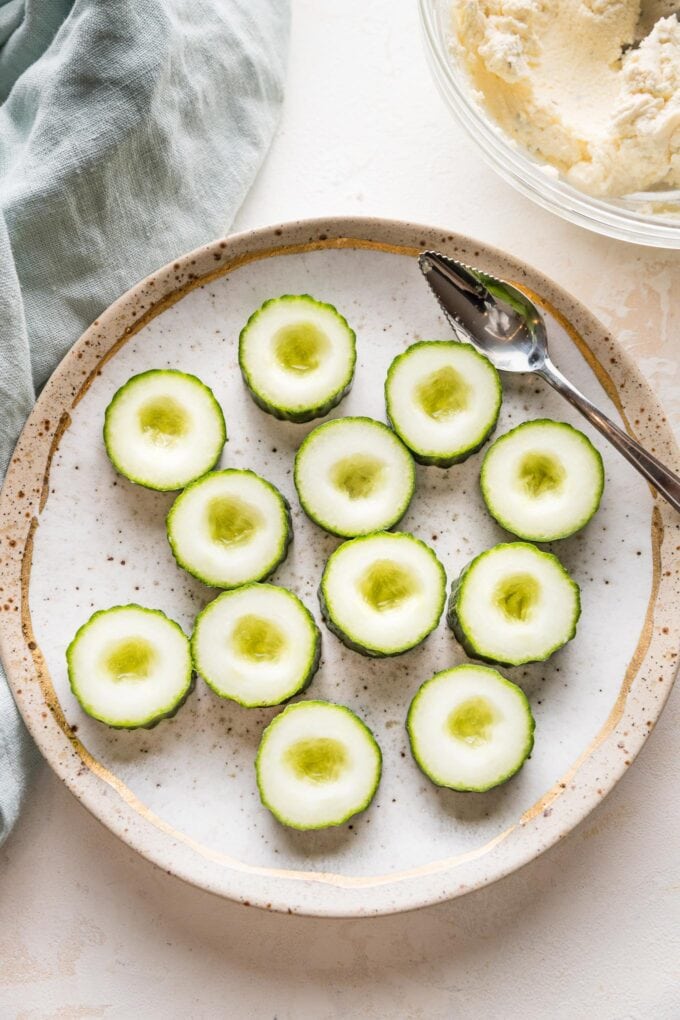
column 472, row 721
column 300, row 347
column 541, row 474
column 232, row 521
column 358, row 476
column 257, row 638
column 163, row 420
column 386, row 585
column 443, row 393
column 517, row 596
column 317, row 759
column 130, row 659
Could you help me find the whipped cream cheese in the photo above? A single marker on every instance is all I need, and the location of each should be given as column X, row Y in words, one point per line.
column 559, row 77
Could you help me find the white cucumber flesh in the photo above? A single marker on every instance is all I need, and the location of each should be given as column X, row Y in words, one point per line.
column 470, row 729
column 297, row 357
column 354, row 476
column 543, row 480
column 129, row 666
column 317, row 765
column 229, row 528
column 514, row 604
column 443, row 400
column 383, row 594
column 256, row 645
column 163, row 429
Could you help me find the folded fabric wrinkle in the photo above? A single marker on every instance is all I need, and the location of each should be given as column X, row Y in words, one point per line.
column 129, row 133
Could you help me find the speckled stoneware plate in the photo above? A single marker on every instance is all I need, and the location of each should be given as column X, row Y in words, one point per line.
column 75, row 537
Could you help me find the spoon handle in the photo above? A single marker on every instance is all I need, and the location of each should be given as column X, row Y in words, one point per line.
column 664, row 481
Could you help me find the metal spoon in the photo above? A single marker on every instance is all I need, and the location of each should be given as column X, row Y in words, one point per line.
column 502, row 323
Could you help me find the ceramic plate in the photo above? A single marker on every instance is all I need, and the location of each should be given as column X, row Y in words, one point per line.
column 75, row 537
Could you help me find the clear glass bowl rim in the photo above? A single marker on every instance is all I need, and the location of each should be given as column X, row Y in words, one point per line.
column 519, row 169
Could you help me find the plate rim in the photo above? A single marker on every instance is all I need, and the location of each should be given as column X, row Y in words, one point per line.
column 24, row 494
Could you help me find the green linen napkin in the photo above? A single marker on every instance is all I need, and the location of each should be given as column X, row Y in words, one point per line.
column 130, row 132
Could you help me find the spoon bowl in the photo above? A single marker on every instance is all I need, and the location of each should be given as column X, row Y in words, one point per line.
column 502, row 323
column 498, row 319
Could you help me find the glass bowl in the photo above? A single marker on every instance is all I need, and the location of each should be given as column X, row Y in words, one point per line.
column 651, row 218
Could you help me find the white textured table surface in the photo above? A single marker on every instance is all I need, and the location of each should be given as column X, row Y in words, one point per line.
column 591, row 929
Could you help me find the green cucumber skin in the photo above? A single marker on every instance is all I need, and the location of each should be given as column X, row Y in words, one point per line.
column 287, row 538
column 314, row 665
column 351, row 814
column 285, row 545
column 468, row 645
column 284, row 413
column 539, row 538
column 444, row 462
column 142, row 725
column 167, row 715
column 344, row 535
column 105, row 429
column 298, row 417
column 305, row 681
column 154, row 720
column 439, row 460
column 376, row 653
column 327, row 527
column 471, row 789
column 454, row 624
column 345, row 638
column 354, row 646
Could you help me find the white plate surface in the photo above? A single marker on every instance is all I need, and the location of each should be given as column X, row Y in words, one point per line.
column 184, row 793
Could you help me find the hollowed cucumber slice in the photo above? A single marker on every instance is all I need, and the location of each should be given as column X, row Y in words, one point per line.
column 382, row 594
column 129, row 666
column 443, row 400
column 354, row 476
column 317, row 765
column 470, row 728
column 257, row 645
column 542, row 480
column 514, row 604
column 230, row 527
column 163, row 429
column 297, row 357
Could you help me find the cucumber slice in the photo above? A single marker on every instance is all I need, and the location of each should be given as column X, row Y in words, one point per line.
column 130, row 667
column 163, row 429
column 470, row 728
column 297, row 357
column 257, row 645
column 542, row 480
column 514, row 604
column 317, row 765
column 382, row 594
column 354, row 476
column 230, row 527
column 443, row 400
